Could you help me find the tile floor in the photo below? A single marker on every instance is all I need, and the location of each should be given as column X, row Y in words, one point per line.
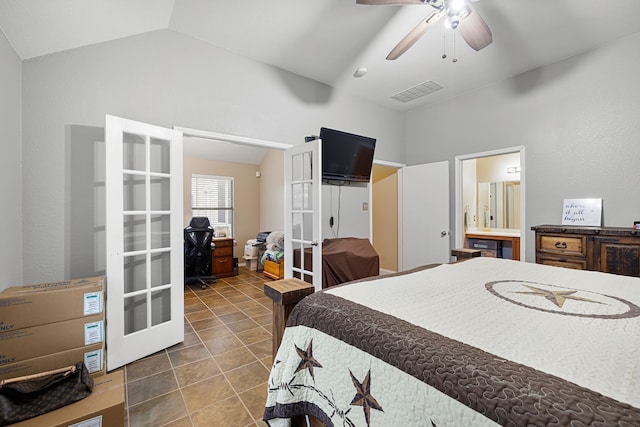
column 218, row 375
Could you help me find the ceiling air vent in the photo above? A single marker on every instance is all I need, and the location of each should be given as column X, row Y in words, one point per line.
column 417, row 91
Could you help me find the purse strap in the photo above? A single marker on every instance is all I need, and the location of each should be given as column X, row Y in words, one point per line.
column 68, row 370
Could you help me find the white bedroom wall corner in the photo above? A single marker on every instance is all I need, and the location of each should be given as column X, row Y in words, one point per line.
column 11, row 225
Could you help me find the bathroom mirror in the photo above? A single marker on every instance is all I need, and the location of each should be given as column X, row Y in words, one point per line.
column 498, row 204
column 491, row 192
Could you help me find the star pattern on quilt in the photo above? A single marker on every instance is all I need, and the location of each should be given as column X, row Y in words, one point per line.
column 363, row 396
column 307, row 360
column 556, row 297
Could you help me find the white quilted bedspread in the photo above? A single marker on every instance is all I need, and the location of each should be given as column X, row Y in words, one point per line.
column 581, row 327
column 599, row 353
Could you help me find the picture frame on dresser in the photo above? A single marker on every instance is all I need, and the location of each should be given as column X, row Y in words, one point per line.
column 582, row 212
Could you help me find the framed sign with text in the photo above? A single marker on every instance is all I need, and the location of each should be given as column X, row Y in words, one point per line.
column 587, row 212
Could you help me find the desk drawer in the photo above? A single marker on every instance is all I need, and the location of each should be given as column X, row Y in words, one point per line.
column 576, row 264
column 222, row 265
column 223, row 242
column 222, row 251
column 567, row 245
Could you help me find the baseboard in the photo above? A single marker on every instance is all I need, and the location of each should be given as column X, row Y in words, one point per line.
column 384, row 271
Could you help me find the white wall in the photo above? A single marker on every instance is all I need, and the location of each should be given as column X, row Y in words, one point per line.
column 469, row 194
column 344, row 204
column 272, row 192
column 144, row 78
column 494, row 168
column 10, row 171
column 578, row 120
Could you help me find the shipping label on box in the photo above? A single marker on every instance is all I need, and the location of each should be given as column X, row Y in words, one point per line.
column 94, row 360
column 92, row 303
column 93, row 422
column 93, row 332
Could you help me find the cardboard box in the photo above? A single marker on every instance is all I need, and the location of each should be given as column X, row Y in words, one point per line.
column 92, row 355
column 274, row 270
column 104, row 407
column 27, row 343
column 251, row 263
column 37, row 304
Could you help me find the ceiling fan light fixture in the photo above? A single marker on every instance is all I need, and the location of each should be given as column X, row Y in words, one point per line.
column 456, row 6
column 452, row 22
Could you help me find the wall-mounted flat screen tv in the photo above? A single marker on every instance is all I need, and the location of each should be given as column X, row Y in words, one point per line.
column 345, row 156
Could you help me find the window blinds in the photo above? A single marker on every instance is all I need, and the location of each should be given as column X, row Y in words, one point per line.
column 212, row 196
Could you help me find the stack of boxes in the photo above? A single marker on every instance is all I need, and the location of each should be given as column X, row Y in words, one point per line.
column 52, row 325
column 49, row 326
column 251, row 254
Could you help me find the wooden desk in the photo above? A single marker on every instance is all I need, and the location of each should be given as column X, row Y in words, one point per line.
column 222, row 258
column 285, row 295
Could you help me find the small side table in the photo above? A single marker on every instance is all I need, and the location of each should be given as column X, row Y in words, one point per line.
column 464, row 253
column 285, row 294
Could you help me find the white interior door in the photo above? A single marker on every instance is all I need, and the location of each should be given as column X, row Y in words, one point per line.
column 145, row 278
column 424, row 191
column 303, row 228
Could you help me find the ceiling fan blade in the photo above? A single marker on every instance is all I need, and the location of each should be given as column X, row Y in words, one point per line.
column 475, row 31
column 414, row 35
column 388, row 2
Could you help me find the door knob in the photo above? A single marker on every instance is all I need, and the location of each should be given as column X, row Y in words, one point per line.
column 443, row 233
column 314, row 243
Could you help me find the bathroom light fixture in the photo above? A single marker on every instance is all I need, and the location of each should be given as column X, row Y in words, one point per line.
column 514, row 169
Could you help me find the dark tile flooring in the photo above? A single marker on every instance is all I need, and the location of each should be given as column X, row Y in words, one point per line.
column 218, row 375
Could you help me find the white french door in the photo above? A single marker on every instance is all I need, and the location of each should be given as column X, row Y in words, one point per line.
column 425, row 214
column 303, row 229
column 145, row 277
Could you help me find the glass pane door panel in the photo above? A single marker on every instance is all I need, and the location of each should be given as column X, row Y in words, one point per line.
column 134, row 192
column 306, row 166
column 296, row 219
column 307, row 226
column 134, row 153
column 160, row 194
column 160, row 269
column 135, row 233
column 135, row 314
column 160, row 159
column 160, row 231
column 135, row 273
column 297, row 250
column 307, row 196
column 160, row 307
column 297, row 195
column 296, row 168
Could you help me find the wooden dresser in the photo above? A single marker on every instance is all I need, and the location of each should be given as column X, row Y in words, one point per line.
column 608, row 249
column 222, row 257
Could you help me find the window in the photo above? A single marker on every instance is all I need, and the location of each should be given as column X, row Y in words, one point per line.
column 212, row 196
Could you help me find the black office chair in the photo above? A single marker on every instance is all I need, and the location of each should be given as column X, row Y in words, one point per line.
column 197, row 252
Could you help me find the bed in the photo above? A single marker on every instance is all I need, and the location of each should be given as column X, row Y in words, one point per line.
column 483, row 342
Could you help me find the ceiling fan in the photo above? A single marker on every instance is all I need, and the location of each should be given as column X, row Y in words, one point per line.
column 459, row 14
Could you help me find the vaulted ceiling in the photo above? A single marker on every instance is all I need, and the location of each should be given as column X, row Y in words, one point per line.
column 327, row 40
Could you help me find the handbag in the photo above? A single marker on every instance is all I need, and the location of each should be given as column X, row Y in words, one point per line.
column 32, row 395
